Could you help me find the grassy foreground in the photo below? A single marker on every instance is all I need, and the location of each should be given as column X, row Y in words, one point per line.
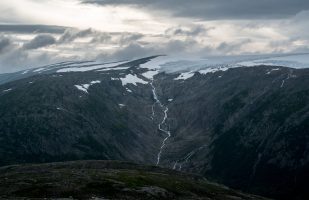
column 107, row 180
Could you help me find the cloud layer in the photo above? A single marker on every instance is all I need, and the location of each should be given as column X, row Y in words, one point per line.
column 4, row 43
column 218, row 9
column 40, row 41
column 112, row 30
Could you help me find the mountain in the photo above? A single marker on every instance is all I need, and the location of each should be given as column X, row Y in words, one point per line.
column 237, row 121
column 108, row 180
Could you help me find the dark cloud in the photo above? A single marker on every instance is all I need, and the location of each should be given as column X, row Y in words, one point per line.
column 40, row 41
column 218, row 9
column 12, row 28
column 122, row 38
column 71, row 34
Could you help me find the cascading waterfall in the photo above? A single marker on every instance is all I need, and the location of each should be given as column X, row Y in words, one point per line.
column 185, row 160
column 160, row 125
column 289, row 75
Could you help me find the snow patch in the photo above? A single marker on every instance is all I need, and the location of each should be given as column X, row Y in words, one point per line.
column 25, row 72
column 82, row 88
column 57, row 75
column 133, row 79
column 94, row 82
column 121, row 105
column 7, row 90
column 213, row 70
column 39, row 70
column 185, row 76
column 85, row 87
column 276, row 69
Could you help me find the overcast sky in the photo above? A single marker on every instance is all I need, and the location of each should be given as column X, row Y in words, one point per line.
column 37, row 32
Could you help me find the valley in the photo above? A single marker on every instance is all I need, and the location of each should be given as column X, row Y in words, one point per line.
column 235, row 125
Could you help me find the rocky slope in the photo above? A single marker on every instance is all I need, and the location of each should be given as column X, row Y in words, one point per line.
column 108, row 180
column 245, row 127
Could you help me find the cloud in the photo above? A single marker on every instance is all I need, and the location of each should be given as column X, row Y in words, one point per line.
column 40, row 41
column 180, row 46
column 102, row 38
column 193, row 30
column 4, row 44
column 219, row 9
column 231, row 47
column 179, row 38
column 137, row 50
column 128, row 38
column 72, row 34
column 132, row 51
column 19, row 59
column 97, row 37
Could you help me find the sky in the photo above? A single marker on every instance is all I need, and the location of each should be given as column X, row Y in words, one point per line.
column 39, row 32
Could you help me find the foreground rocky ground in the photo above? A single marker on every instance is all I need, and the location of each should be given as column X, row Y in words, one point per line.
column 107, row 180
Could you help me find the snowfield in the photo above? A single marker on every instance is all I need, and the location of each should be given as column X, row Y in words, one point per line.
column 296, row 61
column 91, row 67
column 187, row 67
column 184, row 67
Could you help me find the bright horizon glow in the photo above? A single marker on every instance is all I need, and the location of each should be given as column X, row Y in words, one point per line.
column 72, row 13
